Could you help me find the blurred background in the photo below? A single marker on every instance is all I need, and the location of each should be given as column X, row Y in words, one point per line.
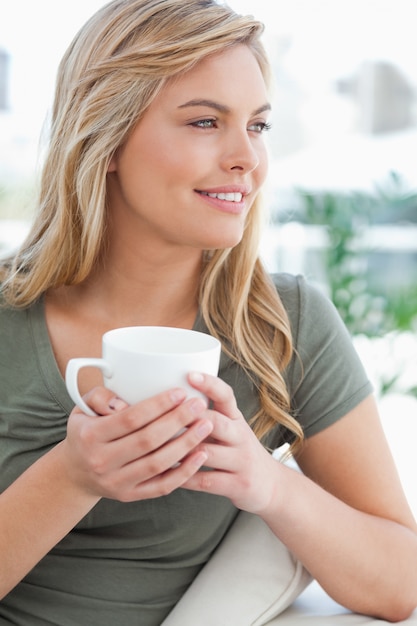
column 342, row 189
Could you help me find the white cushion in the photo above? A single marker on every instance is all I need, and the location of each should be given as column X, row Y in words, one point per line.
column 251, row 578
column 315, row 608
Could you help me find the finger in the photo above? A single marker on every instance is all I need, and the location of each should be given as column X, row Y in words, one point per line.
column 172, row 425
column 167, row 482
column 218, row 391
column 222, row 457
column 176, row 450
column 213, row 482
column 120, row 423
column 158, row 462
column 162, row 442
column 103, row 401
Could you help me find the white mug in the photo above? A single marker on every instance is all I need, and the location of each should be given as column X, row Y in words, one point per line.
column 141, row 361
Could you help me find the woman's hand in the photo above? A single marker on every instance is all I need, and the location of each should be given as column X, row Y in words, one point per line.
column 240, row 467
column 134, row 452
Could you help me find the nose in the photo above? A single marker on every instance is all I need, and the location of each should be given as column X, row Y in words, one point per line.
column 240, row 152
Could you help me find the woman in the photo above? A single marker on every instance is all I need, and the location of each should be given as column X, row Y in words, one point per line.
column 149, row 214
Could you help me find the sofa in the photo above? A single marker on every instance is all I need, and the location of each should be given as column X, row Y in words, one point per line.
column 253, row 580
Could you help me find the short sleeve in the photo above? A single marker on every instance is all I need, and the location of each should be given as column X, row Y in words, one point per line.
column 326, row 378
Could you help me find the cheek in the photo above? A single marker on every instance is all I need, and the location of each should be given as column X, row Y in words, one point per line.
column 261, row 172
column 168, row 162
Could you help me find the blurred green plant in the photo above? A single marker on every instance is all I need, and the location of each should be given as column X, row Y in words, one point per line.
column 370, row 304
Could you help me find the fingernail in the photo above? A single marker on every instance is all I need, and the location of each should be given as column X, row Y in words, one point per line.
column 177, row 395
column 197, row 405
column 117, row 404
column 200, row 459
column 196, row 377
column 204, row 429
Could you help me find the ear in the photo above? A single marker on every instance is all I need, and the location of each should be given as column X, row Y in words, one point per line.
column 112, row 166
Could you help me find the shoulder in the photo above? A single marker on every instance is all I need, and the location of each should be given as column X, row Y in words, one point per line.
column 307, row 306
column 295, row 291
column 326, row 378
column 14, row 320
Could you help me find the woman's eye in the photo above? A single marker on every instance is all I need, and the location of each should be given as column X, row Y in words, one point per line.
column 260, row 127
column 208, row 123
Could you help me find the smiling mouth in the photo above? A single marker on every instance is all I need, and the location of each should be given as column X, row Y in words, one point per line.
column 228, row 197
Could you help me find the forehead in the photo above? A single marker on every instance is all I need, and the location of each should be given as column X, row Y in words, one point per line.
column 229, row 75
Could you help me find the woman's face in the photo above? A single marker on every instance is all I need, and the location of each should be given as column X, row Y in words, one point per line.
column 193, row 165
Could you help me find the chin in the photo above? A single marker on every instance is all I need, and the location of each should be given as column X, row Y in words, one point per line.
column 224, row 240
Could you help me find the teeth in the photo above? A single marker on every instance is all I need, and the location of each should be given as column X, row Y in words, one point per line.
column 229, row 197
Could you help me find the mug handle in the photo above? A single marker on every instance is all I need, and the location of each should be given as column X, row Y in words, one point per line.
column 71, row 379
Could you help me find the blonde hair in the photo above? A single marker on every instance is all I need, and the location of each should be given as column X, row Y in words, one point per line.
column 114, row 68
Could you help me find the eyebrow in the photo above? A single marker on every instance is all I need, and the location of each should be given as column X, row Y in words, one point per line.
column 222, row 108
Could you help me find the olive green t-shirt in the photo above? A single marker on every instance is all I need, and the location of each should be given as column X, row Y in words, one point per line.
column 127, row 564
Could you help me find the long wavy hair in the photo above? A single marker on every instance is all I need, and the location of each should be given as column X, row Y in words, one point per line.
column 114, row 68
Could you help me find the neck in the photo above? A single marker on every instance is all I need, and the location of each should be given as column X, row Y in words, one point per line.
column 149, row 288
